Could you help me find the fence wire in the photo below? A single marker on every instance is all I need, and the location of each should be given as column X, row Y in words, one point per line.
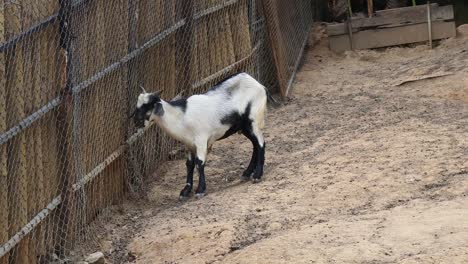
column 70, row 72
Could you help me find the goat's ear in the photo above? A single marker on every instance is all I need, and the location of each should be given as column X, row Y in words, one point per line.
column 158, row 93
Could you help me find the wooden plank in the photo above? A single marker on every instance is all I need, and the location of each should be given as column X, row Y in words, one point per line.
column 240, row 30
column 38, row 136
column 171, row 51
column 217, row 43
column 229, row 53
column 97, row 98
column 16, row 108
column 184, row 44
column 393, row 36
column 134, row 168
column 54, row 62
column 3, row 148
column 429, row 24
column 276, row 41
column 29, row 52
column 394, row 18
column 204, row 56
column 114, row 128
column 196, row 52
column 370, row 8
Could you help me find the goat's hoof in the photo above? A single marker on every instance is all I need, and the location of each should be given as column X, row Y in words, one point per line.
column 200, row 195
column 256, row 180
column 245, row 178
column 247, row 173
column 183, row 198
column 185, row 193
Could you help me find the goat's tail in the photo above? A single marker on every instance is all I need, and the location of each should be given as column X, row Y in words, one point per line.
column 261, row 113
column 270, row 98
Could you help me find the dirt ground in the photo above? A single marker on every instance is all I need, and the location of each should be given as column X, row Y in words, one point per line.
column 364, row 165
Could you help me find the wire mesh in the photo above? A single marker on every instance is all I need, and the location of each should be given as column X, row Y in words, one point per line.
column 70, row 72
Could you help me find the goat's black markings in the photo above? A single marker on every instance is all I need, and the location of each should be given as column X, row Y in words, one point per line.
column 180, row 103
column 219, row 84
column 190, row 163
column 201, row 189
column 153, row 104
column 236, row 121
column 255, row 168
column 248, row 133
column 258, row 173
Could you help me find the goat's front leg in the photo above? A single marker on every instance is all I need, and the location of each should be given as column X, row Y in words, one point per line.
column 200, row 162
column 190, row 163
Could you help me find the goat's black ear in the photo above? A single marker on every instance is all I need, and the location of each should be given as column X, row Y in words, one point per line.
column 132, row 115
column 158, row 93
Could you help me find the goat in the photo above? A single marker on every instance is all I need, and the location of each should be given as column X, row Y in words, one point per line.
column 236, row 104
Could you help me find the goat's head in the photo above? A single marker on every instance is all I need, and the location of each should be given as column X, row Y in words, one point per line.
column 148, row 105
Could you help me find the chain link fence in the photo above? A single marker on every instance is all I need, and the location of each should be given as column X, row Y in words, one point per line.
column 70, row 72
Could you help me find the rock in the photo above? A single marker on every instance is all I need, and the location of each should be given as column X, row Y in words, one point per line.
column 96, row 258
column 462, row 30
column 131, row 257
column 106, row 246
column 274, row 226
column 81, row 262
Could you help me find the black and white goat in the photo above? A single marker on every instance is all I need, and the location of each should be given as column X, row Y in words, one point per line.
column 237, row 104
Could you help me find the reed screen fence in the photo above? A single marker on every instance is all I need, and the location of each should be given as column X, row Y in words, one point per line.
column 70, row 72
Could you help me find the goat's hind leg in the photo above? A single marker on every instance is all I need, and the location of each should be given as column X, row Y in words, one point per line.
column 190, row 163
column 258, row 173
column 255, row 167
column 248, row 133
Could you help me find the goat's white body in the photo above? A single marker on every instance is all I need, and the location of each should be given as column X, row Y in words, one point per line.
column 200, row 125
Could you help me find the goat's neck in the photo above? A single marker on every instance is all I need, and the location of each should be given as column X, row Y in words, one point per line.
column 171, row 120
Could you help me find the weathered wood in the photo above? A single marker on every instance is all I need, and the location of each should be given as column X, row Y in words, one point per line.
column 184, row 36
column 18, row 177
column 114, row 129
column 4, row 209
column 203, row 44
column 394, row 18
column 134, row 168
column 38, row 158
column 240, row 30
column 429, row 24
column 29, row 53
column 228, row 47
column 393, row 36
column 277, row 43
column 53, row 84
column 370, row 8
column 170, row 8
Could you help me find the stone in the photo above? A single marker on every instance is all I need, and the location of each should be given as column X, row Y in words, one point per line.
column 96, row 258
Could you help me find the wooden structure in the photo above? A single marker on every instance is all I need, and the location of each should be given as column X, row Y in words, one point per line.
column 393, row 27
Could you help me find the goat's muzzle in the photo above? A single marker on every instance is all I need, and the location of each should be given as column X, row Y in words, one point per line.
column 138, row 119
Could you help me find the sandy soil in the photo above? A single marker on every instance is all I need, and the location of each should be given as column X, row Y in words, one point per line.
column 360, row 169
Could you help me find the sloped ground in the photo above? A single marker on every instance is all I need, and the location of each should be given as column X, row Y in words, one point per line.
column 359, row 169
